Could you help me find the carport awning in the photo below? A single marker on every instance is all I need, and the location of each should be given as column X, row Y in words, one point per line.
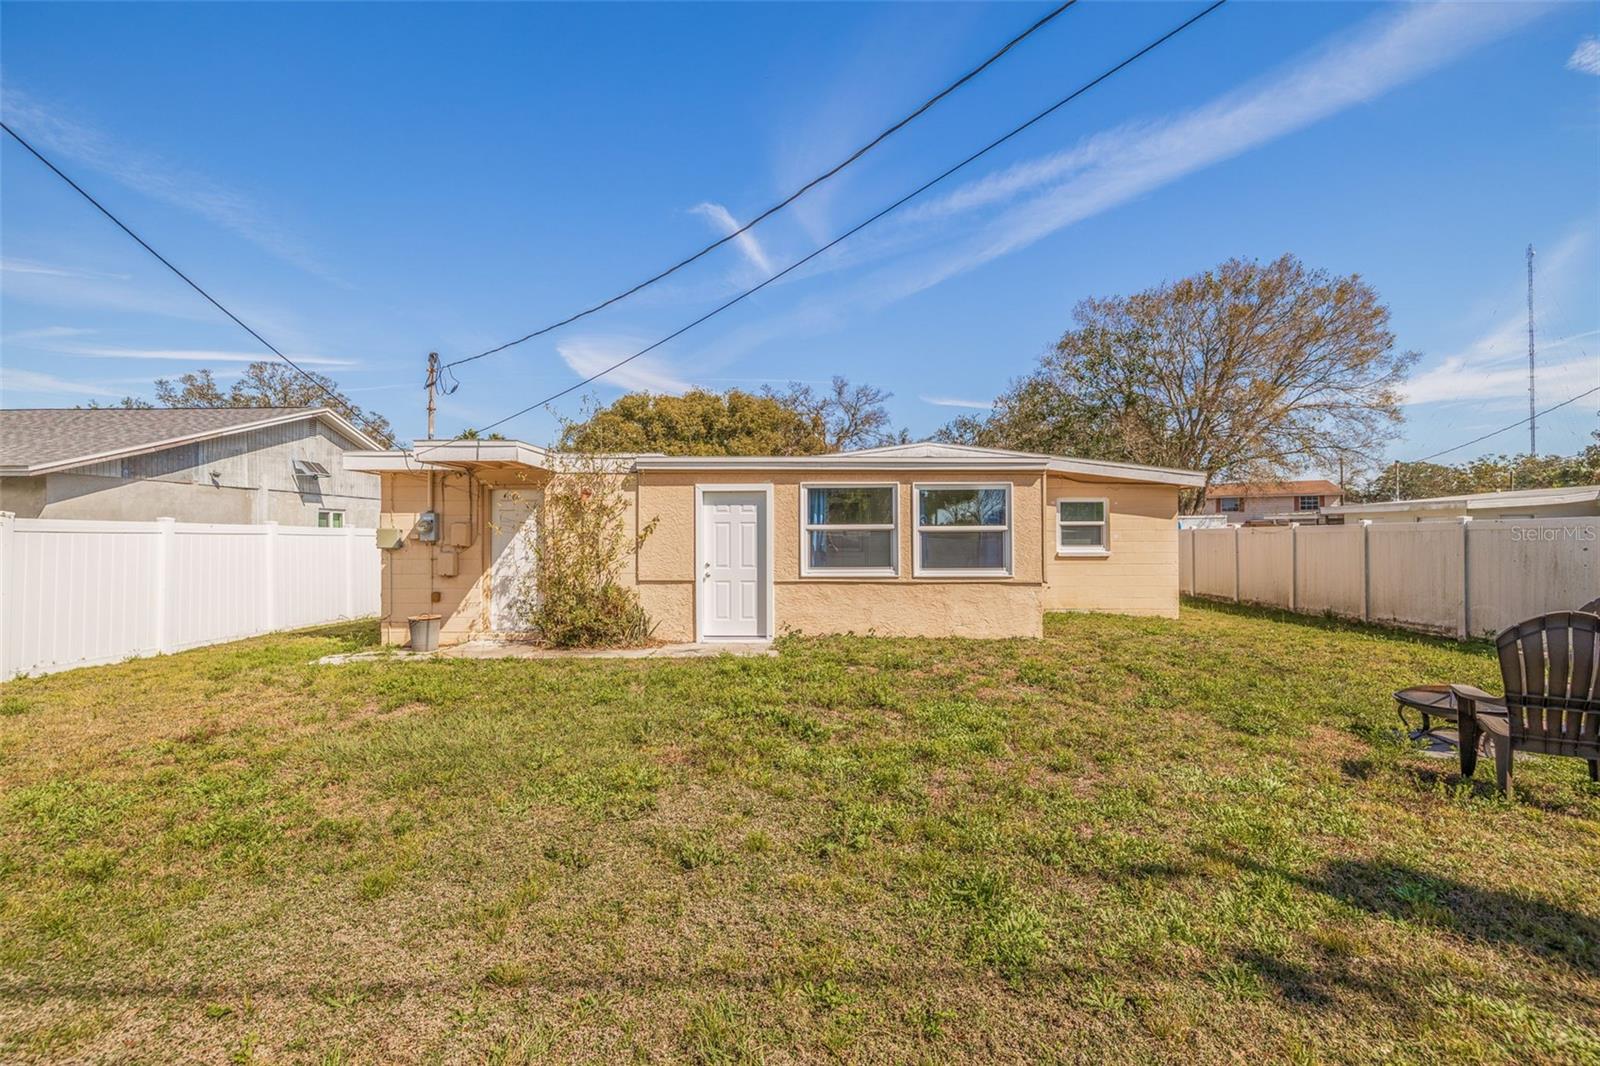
column 480, row 456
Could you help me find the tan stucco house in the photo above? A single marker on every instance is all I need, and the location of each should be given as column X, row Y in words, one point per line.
column 200, row 464
column 908, row 540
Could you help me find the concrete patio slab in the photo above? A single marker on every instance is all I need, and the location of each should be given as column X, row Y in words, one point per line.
column 502, row 649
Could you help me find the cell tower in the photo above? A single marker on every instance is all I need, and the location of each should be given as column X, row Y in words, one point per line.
column 1533, row 427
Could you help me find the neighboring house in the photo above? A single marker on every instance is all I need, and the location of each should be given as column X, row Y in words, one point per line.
column 213, row 464
column 1572, row 502
column 1273, row 501
column 907, row 540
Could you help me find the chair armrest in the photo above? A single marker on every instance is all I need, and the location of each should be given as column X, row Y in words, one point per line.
column 1470, row 698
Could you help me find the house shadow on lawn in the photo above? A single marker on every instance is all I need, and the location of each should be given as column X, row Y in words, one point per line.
column 1490, row 916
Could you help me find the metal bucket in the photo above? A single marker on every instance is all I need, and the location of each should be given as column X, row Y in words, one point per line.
column 424, row 632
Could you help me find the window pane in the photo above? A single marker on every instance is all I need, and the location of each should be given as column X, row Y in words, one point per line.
column 338, row 520
column 871, row 549
column 1082, row 536
column 963, row 551
column 962, row 507
column 1082, row 511
column 322, row 519
column 851, row 506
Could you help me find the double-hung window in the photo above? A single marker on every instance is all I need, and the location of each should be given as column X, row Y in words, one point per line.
column 849, row 531
column 963, row 530
column 1081, row 527
column 1308, row 503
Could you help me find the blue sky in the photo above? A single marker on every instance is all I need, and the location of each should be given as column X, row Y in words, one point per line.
column 364, row 183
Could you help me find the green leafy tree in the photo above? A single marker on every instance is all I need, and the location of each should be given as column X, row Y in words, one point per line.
column 798, row 420
column 1250, row 372
column 1489, row 473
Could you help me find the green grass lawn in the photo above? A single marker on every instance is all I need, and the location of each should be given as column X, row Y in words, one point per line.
column 1195, row 840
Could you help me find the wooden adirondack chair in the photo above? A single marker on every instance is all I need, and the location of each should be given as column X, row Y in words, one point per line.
column 1551, row 669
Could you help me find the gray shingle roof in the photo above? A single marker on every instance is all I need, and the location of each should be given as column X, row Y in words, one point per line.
column 31, row 437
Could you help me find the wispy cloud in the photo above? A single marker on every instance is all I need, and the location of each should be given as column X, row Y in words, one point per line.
column 1112, row 168
column 159, row 178
column 44, row 333
column 590, row 355
column 13, row 265
column 197, row 355
column 1494, row 364
column 748, row 245
column 1585, row 58
column 14, row 379
column 950, row 401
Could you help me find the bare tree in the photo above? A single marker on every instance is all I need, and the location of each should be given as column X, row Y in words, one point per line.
column 851, row 416
column 1249, row 372
column 269, row 384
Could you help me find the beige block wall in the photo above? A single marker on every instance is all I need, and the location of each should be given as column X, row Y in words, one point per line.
column 1140, row 574
column 891, row 606
column 415, row 572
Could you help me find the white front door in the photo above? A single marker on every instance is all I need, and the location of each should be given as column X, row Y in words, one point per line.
column 512, row 535
column 733, row 565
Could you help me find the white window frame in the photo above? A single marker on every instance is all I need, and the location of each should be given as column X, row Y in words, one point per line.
column 1300, row 502
column 1104, row 523
column 807, row 528
column 1223, row 508
column 330, row 512
column 918, row 529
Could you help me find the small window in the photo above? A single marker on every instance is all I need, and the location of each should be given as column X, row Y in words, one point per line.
column 1230, row 503
column 1081, row 527
column 849, row 530
column 963, row 530
column 307, row 468
column 330, row 519
column 1308, row 503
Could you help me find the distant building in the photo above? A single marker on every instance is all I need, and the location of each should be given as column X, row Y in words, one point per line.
column 214, row 464
column 1575, row 501
column 1273, row 501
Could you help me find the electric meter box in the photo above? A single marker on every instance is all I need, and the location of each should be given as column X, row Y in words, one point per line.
column 428, row 527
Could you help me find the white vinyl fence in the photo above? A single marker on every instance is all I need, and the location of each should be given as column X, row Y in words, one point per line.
column 78, row 593
column 1461, row 577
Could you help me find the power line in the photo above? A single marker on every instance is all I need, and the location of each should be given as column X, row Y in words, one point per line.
column 858, row 227
column 1503, row 429
column 190, row 281
column 787, row 200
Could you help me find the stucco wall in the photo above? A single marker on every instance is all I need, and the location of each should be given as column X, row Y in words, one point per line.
column 1140, row 573
column 902, row 605
column 253, row 482
column 1138, row 576
column 415, row 573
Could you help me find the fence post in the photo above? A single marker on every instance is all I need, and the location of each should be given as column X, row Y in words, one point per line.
column 1236, row 530
column 1194, row 582
column 9, row 606
column 166, row 581
column 269, row 577
column 1466, row 580
column 1294, row 566
column 1366, row 569
column 349, row 571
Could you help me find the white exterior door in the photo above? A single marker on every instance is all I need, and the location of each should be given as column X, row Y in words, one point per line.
column 733, row 564
column 512, row 537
